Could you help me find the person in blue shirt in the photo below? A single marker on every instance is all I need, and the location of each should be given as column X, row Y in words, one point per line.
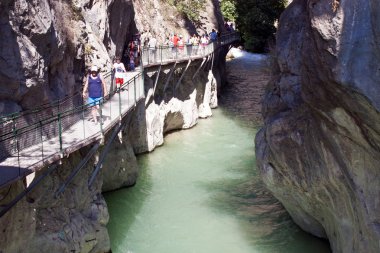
column 213, row 35
column 94, row 90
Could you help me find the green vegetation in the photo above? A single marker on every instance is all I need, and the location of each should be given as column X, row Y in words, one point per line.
column 189, row 8
column 255, row 19
column 228, row 8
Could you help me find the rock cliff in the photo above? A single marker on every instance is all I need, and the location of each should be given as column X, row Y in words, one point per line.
column 74, row 221
column 319, row 150
column 46, row 45
column 44, row 51
column 174, row 105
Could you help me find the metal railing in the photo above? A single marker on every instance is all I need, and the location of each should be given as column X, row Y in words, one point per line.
column 167, row 54
column 38, row 137
column 21, row 122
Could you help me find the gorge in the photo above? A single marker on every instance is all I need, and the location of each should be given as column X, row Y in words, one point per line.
column 317, row 151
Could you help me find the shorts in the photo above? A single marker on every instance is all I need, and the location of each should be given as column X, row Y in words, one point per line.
column 94, row 101
column 119, row 81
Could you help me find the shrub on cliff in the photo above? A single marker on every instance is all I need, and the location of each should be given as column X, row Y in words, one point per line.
column 228, row 8
column 255, row 20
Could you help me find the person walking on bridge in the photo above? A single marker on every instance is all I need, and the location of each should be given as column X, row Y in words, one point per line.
column 213, row 36
column 120, row 71
column 152, row 49
column 94, row 90
column 174, row 40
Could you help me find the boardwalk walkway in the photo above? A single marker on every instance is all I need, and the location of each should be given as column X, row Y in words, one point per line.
column 33, row 140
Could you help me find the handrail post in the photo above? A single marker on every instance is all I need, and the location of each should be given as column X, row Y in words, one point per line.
column 17, row 145
column 148, row 54
column 101, row 119
column 161, row 49
column 60, row 134
column 84, row 127
column 134, row 88
column 42, row 141
column 120, row 113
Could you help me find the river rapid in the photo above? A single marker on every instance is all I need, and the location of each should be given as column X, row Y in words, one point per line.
column 201, row 191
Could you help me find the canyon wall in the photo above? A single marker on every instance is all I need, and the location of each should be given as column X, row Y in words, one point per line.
column 319, row 150
column 46, row 46
column 45, row 49
column 74, row 221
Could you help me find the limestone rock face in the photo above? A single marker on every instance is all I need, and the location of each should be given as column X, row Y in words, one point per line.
column 74, row 221
column 46, row 45
column 45, row 49
column 319, row 150
column 120, row 167
column 160, row 19
column 173, row 105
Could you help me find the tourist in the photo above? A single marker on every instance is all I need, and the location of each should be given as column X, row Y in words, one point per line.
column 232, row 27
column 194, row 44
column 204, row 43
column 152, row 49
column 227, row 26
column 181, row 45
column 213, row 35
column 175, row 44
column 168, row 42
column 134, row 51
column 132, row 63
column 189, row 46
column 94, row 90
column 119, row 69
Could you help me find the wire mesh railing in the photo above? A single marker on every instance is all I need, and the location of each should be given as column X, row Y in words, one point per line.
column 166, row 54
column 32, row 139
column 25, row 121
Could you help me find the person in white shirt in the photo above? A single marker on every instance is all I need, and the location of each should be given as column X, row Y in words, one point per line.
column 120, row 70
column 204, row 42
column 152, row 49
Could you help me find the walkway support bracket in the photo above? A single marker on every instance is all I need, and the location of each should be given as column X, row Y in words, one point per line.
column 156, row 81
column 104, row 154
column 182, row 76
column 76, row 170
column 170, row 76
column 199, row 68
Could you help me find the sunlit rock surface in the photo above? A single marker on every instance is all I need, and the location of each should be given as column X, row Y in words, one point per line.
column 173, row 105
column 319, row 150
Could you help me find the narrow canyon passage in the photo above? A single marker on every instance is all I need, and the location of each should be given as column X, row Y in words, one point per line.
column 201, row 191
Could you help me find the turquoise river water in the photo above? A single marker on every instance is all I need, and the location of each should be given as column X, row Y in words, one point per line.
column 201, row 191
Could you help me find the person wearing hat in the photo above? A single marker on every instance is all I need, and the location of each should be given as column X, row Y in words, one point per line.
column 94, row 90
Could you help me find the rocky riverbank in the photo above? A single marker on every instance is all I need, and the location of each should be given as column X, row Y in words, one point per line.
column 319, row 149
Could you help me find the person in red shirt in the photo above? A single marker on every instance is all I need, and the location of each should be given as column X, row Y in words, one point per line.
column 175, row 44
column 175, row 40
